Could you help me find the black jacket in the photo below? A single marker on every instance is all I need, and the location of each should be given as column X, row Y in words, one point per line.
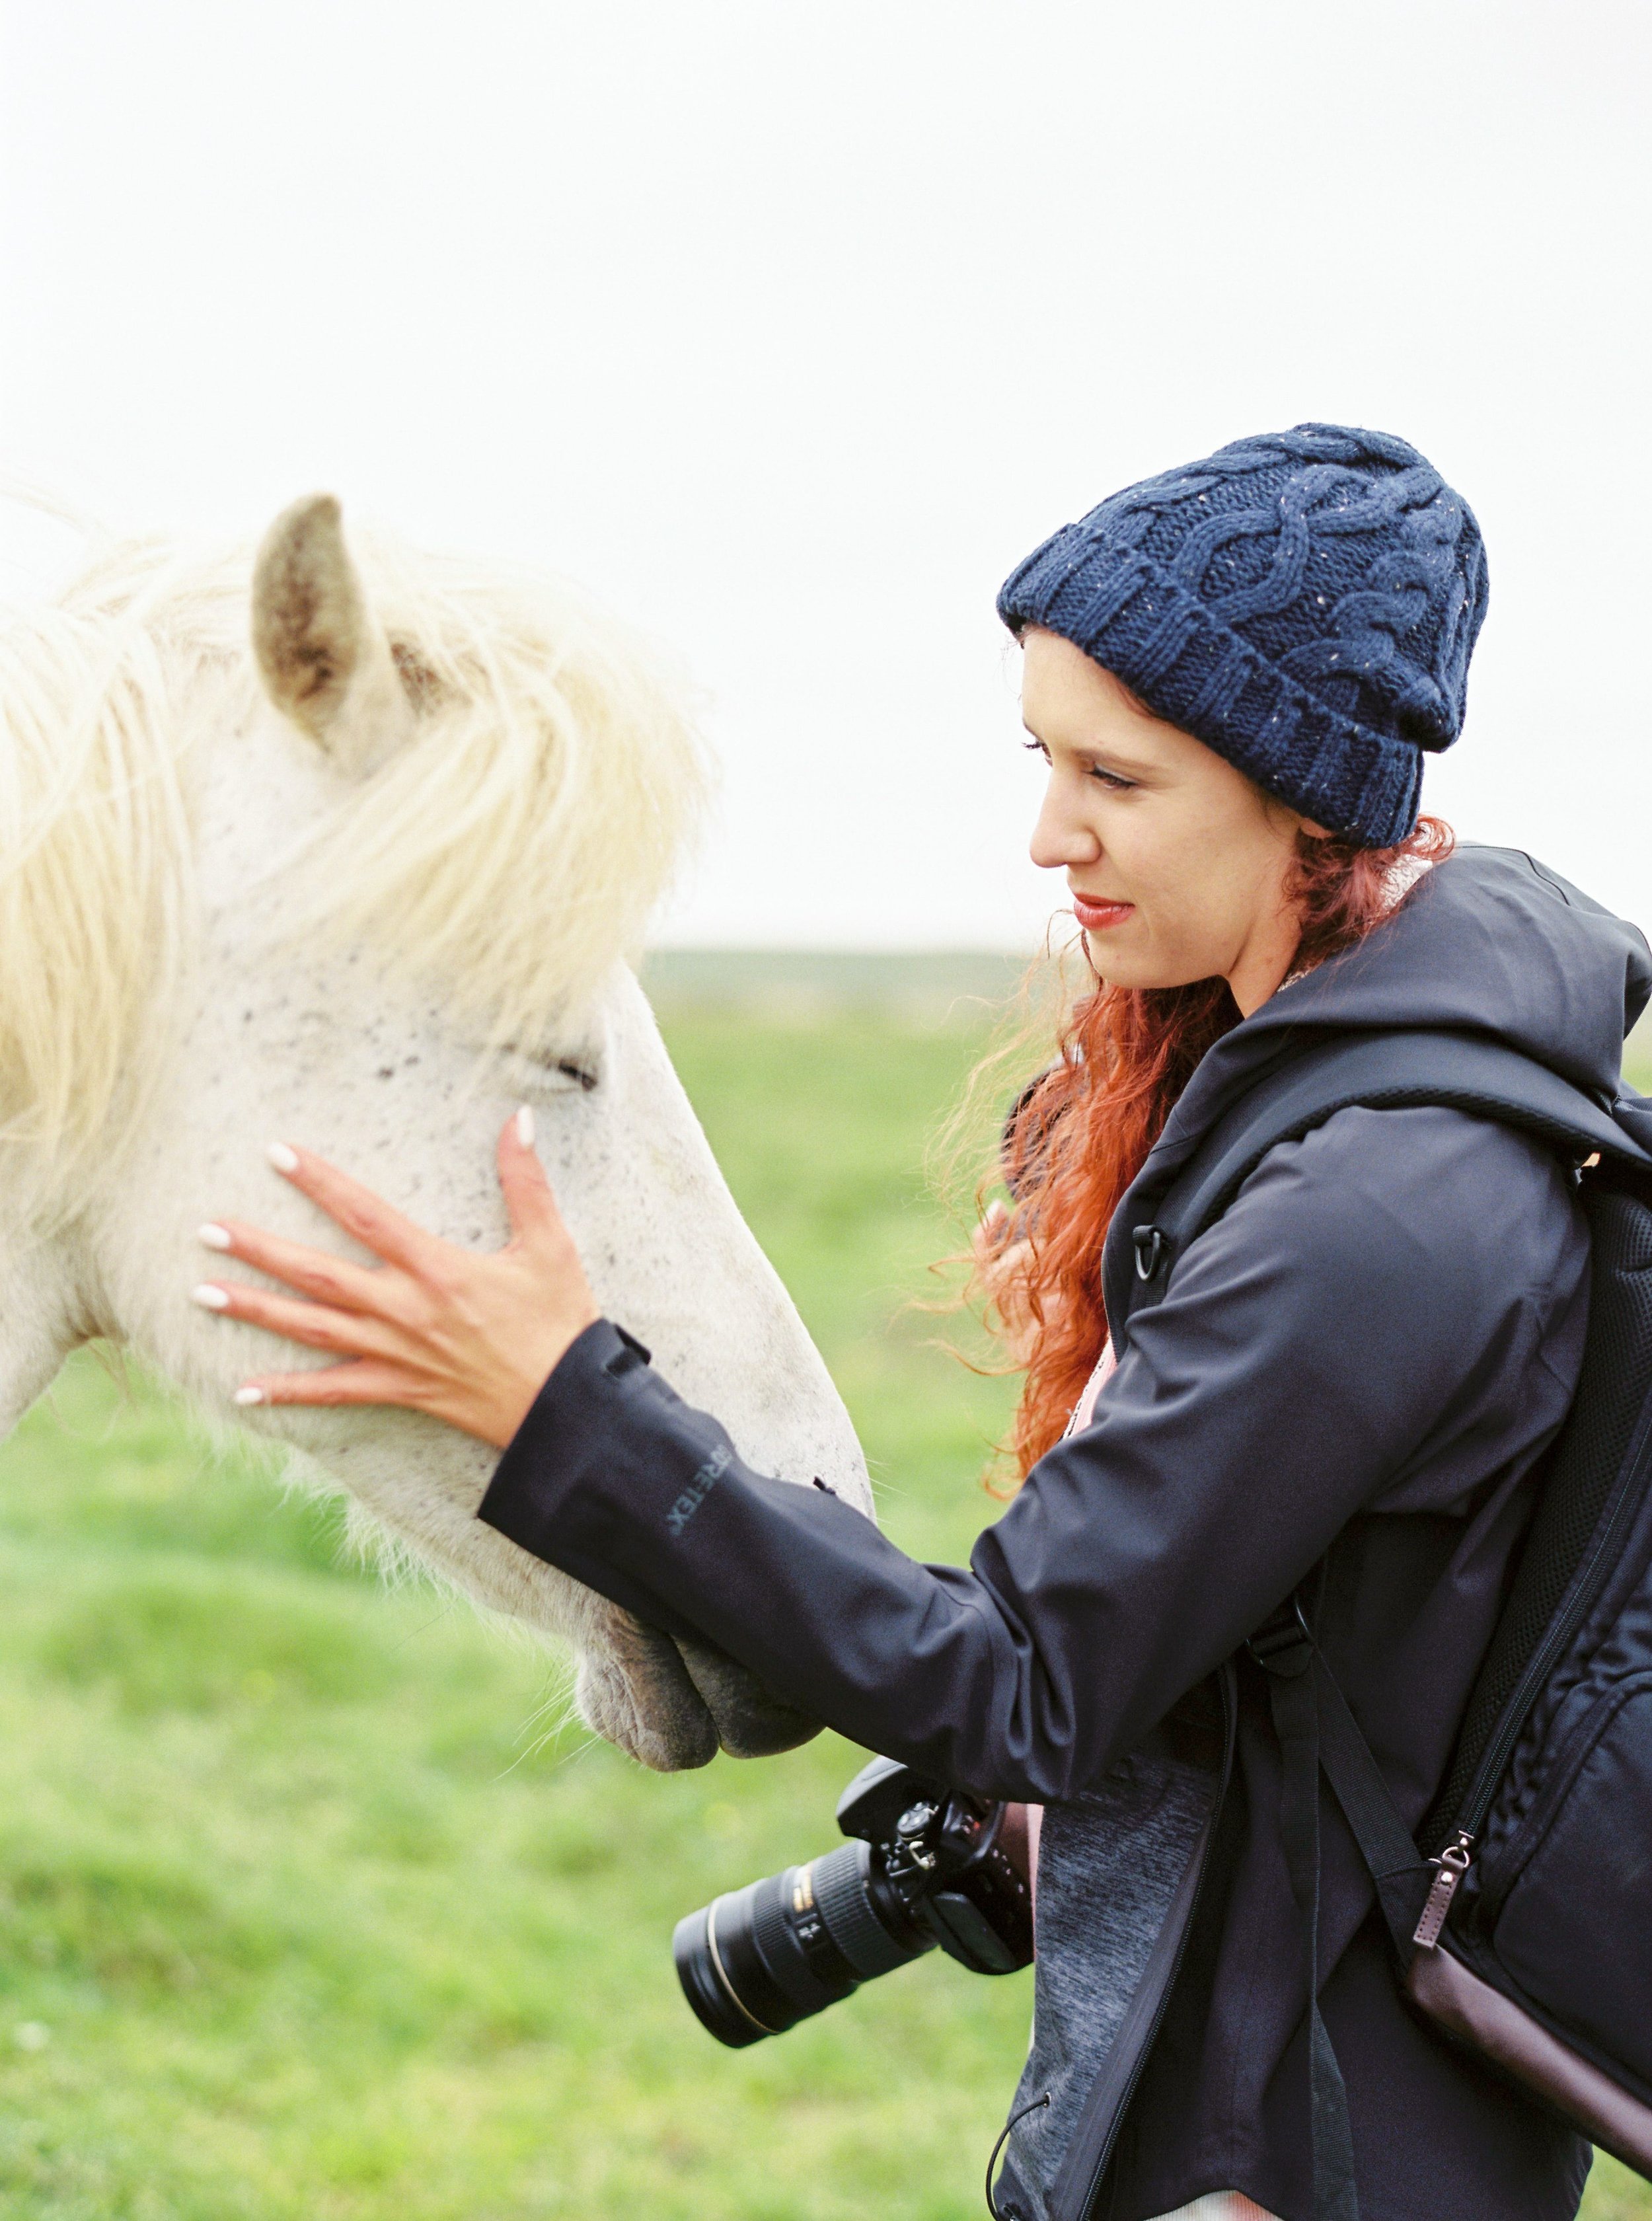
column 1359, row 1364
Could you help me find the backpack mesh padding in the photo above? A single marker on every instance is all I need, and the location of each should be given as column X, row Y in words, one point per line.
column 1578, row 1481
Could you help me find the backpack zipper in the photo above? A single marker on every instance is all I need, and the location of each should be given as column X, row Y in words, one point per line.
column 1449, row 1868
column 1453, row 1863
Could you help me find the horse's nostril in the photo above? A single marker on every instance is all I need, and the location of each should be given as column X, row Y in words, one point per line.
column 587, row 1080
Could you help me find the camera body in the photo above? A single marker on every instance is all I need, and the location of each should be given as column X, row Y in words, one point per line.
column 924, row 1868
column 941, row 1854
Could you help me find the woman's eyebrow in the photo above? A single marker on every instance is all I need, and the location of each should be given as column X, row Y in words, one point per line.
column 1105, row 755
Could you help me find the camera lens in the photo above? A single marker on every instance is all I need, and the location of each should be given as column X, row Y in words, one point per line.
column 758, row 1961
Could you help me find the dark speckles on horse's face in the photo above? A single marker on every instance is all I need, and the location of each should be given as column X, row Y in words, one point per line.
column 386, row 1072
column 408, row 1062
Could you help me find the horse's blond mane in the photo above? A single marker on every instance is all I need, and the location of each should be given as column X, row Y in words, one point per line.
column 506, row 857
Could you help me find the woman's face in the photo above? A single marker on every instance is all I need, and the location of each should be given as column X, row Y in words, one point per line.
column 1177, row 863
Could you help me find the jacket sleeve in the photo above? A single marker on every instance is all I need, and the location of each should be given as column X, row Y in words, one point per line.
column 1378, row 1293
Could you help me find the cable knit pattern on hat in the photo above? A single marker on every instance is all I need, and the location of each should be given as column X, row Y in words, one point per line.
column 1304, row 603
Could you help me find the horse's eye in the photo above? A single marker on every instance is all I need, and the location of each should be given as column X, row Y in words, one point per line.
column 552, row 1070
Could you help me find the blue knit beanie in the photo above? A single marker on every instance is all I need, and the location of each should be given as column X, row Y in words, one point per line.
column 1305, row 603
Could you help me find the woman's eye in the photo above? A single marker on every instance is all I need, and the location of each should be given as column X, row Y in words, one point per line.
column 1110, row 780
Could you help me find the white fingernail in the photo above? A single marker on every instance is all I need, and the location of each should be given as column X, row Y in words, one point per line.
column 249, row 1395
column 209, row 1298
column 525, row 1126
column 213, row 1237
column 284, row 1159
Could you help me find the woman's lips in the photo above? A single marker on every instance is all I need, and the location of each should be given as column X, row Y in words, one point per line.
column 1096, row 915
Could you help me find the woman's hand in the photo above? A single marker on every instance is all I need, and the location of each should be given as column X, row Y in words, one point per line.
column 465, row 1338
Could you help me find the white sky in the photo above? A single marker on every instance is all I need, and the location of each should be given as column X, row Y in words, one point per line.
column 790, row 328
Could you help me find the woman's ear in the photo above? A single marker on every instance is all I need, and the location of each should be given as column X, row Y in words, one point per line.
column 1316, row 832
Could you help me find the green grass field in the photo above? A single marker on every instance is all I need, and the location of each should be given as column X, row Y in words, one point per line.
column 309, row 1908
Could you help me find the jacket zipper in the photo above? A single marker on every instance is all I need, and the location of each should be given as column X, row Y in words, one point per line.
column 1453, row 1863
column 1086, row 2210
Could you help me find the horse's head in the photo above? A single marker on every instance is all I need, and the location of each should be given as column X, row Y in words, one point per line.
column 416, row 832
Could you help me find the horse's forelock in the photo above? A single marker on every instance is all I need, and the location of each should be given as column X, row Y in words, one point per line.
column 504, row 858
column 517, row 845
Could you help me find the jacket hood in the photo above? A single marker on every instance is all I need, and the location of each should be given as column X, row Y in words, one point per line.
column 1488, row 942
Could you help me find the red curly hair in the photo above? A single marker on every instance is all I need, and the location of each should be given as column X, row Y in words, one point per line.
column 1082, row 1131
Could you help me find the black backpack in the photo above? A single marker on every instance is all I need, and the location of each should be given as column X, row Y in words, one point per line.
column 1522, row 1916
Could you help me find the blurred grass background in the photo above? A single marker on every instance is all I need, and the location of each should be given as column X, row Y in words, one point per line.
column 310, row 1905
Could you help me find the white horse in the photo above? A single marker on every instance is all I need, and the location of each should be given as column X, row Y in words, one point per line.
column 366, row 879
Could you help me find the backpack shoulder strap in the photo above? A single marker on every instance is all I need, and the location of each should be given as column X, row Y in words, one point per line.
column 1159, row 1218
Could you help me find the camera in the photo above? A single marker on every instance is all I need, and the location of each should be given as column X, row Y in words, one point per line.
column 925, row 1868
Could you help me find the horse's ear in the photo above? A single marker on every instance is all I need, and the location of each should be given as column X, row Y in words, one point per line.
column 325, row 658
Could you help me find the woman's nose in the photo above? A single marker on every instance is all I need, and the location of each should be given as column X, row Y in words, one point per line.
column 1060, row 839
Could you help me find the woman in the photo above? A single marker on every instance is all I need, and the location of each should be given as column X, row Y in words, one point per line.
column 1232, row 672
